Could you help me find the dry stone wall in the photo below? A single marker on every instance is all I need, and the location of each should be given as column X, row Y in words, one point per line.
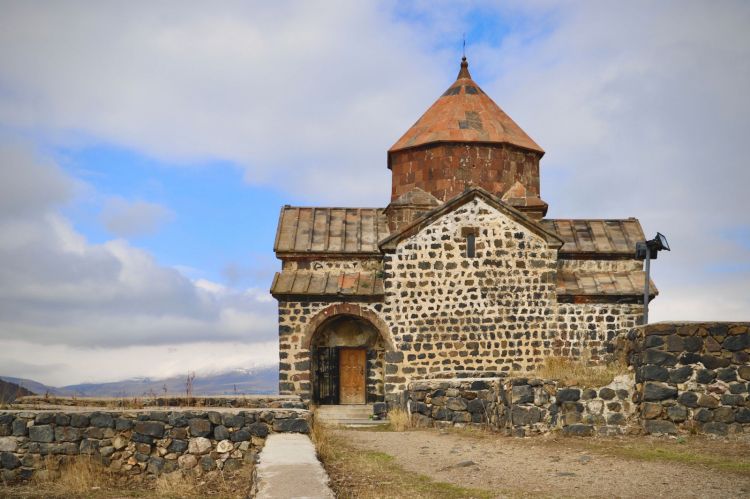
column 692, row 376
column 136, row 444
column 449, row 312
column 525, row 406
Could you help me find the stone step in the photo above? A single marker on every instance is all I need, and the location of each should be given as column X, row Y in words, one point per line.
column 347, row 415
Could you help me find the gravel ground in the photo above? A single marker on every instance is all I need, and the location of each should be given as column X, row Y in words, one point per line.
column 546, row 467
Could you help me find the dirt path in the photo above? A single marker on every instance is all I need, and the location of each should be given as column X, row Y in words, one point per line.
column 566, row 467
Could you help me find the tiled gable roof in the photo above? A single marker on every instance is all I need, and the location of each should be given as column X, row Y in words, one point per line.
column 330, row 230
column 597, row 238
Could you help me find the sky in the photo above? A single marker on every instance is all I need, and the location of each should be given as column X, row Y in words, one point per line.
column 147, row 147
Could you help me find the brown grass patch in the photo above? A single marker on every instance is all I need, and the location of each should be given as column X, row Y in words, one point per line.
column 399, row 420
column 578, row 372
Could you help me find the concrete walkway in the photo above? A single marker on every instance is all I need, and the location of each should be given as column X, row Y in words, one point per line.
column 289, row 468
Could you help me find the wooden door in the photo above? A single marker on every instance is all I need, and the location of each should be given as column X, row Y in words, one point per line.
column 352, row 365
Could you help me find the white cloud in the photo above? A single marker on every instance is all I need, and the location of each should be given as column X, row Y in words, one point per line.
column 134, row 218
column 306, row 92
column 73, row 303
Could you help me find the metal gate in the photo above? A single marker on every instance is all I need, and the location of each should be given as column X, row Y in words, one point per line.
column 326, row 371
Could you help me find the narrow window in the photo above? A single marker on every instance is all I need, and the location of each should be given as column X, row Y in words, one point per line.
column 470, row 233
column 470, row 245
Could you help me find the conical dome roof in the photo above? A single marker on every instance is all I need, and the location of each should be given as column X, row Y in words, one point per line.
column 464, row 113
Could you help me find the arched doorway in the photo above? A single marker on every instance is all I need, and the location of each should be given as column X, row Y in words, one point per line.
column 347, row 366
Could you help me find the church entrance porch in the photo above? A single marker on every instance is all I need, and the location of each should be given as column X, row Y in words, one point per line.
column 347, row 362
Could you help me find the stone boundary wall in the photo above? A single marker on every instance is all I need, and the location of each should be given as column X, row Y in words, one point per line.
column 229, row 401
column 524, row 406
column 139, row 443
column 691, row 376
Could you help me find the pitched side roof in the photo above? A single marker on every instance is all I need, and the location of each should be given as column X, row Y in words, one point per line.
column 331, row 283
column 464, row 113
column 330, row 230
column 577, row 283
column 427, row 218
column 597, row 238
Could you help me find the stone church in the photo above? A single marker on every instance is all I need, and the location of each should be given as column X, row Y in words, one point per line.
column 460, row 275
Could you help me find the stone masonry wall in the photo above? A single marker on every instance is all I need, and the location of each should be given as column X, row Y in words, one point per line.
column 588, row 329
column 136, row 444
column 450, row 313
column 692, row 376
column 525, row 406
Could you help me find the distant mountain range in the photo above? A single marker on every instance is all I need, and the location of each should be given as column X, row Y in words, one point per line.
column 261, row 381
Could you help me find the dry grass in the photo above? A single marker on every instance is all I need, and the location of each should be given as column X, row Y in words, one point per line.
column 581, row 373
column 399, row 420
column 363, row 474
column 321, row 438
column 85, row 478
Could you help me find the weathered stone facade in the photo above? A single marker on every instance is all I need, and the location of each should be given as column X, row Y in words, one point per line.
column 450, row 312
column 459, row 275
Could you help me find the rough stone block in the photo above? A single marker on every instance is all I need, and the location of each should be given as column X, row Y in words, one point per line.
column 703, row 415
column 680, row 374
column 688, row 399
column 291, row 425
column 677, row 413
column 9, row 461
column 716, row 428
column 199, row 427
column 568, row 395
column 706, row 400
column 653, row 391
column 258, row 430
column 178, row 446
column 41, row 433
column 150, row 428
column 199, row 446
column 724, row 415
column 659, row 426
column 102, row 420
column 607, row 393
column 233, row 420
column 726, row 374
column 578, row 430
column 653, row 373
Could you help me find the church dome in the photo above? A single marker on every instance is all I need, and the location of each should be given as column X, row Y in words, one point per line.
column 465, row 114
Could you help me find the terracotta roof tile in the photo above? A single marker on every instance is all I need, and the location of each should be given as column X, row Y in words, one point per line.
column 464, row 113
column 338, row 283
column 597, row 237
column 330, row 230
